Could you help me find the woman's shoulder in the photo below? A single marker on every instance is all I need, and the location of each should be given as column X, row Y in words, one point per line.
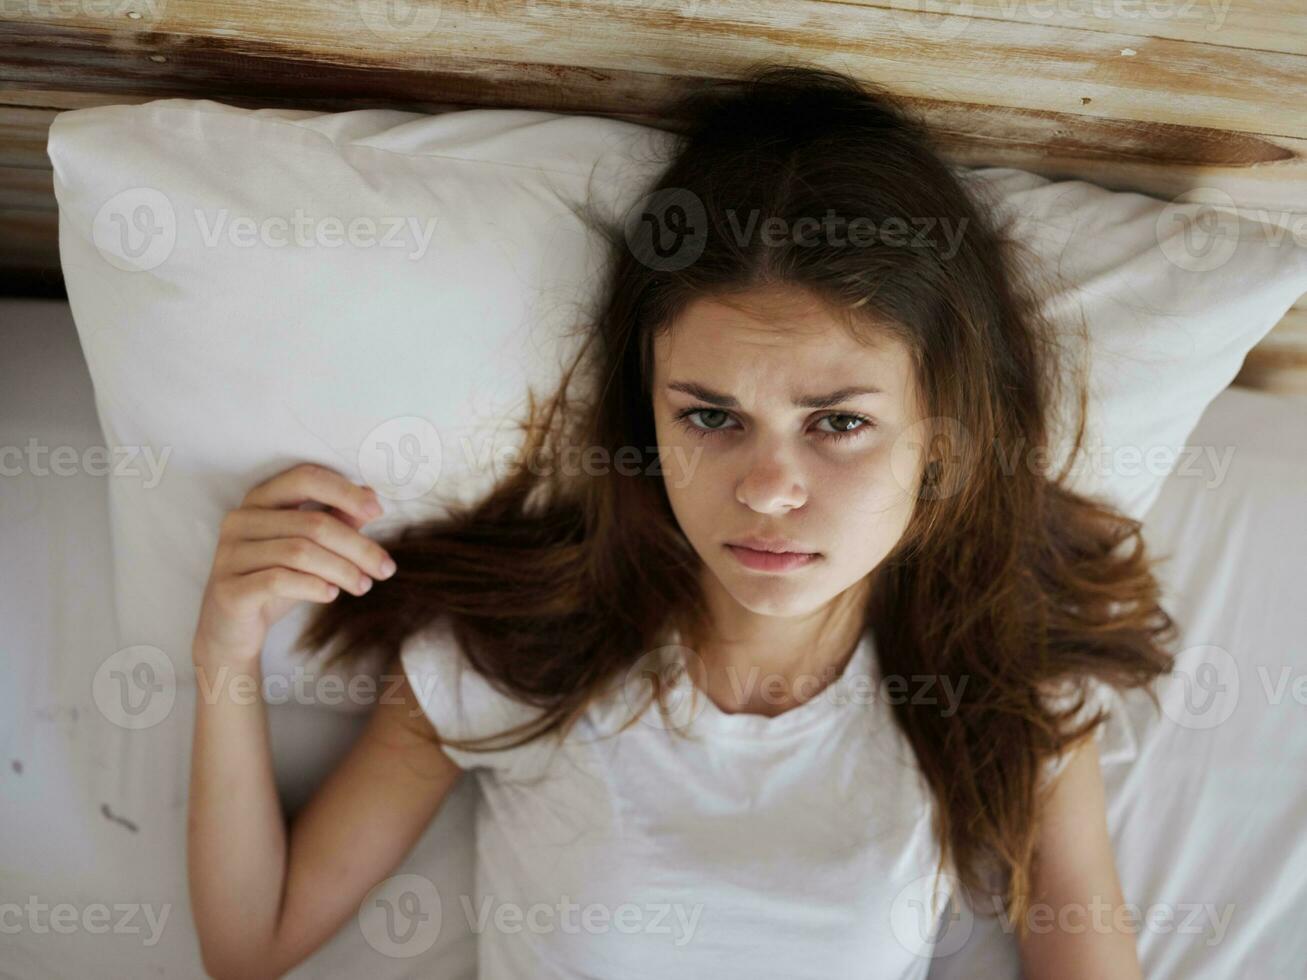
column 1085, row 697
column 462, row 703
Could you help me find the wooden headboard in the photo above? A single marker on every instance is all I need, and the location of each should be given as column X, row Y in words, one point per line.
column 1158, row 96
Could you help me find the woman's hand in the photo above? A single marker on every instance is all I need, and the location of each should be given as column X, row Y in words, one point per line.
column 272, row 555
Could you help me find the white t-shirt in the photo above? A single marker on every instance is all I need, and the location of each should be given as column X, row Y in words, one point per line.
column 798, row 845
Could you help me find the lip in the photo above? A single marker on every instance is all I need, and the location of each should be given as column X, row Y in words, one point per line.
column 771, row 561
column 772, row 545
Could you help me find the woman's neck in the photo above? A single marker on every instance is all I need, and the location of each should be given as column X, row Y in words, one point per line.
column 754, row 664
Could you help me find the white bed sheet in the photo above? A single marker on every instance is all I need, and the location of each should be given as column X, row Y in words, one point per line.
column 94, row 814
column 1209, row 824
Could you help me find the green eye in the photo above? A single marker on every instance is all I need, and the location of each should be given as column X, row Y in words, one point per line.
column 706, row 412
column 859, row 424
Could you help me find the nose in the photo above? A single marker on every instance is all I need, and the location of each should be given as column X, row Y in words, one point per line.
column 772, row 484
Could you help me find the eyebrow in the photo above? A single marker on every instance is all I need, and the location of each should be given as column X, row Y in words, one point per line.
column 706, row 394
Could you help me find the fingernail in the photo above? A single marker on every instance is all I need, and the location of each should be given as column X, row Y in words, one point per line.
column 365, row 583
column 387, row 568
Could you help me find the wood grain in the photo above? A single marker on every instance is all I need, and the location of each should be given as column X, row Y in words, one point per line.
column 1267, row 25
column 1159, row 97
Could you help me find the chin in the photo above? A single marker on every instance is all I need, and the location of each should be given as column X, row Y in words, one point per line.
column 771, row 595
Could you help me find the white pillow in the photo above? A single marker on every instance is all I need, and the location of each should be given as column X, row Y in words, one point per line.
column 211, row 340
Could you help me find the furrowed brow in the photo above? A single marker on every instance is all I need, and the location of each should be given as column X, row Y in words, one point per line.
column 717, row 398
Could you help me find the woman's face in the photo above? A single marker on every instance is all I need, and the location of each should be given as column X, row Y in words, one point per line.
column 742, row 457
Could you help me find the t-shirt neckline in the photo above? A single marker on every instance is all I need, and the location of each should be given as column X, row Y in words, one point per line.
column 693, row 707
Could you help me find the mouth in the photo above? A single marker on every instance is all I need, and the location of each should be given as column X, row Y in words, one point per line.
column 759, row 560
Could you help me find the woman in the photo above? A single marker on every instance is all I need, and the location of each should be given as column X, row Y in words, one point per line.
column 804, row 663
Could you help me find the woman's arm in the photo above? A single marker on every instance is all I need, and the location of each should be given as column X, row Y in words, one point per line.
column 1079, row 930
column 263, row 897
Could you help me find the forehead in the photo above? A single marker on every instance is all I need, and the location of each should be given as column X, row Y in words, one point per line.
column 777, row 334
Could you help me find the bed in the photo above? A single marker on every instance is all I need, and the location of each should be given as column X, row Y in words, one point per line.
column 1162, row 98
column 1207, row 824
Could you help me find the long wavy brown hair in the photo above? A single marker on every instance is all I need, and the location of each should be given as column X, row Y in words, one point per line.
column 555, row 586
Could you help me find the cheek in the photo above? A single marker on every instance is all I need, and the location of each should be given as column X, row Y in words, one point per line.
column 863, row 514
column 684, row 462
column 868, row 499
column 863, row 489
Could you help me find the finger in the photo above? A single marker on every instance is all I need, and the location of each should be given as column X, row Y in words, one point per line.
column 299, row 554
column 317, row 526
column 310, row 482
column 345, row 516
column 285, row 583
